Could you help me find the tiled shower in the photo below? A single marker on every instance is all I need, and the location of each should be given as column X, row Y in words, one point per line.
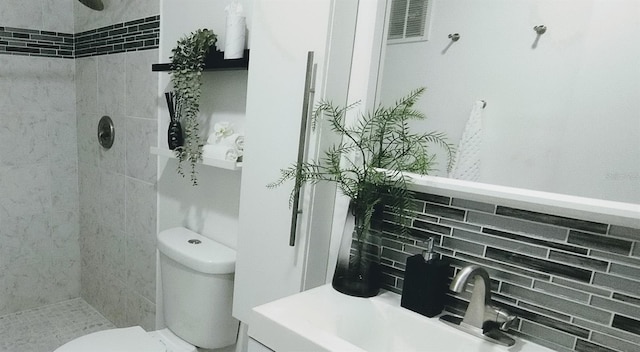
column 72, row 214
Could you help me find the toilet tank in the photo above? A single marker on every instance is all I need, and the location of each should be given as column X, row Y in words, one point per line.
column 197, row 288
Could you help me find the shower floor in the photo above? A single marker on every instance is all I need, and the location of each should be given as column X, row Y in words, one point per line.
column 45, row 328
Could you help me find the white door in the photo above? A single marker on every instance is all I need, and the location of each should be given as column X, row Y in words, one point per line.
column 283, row 32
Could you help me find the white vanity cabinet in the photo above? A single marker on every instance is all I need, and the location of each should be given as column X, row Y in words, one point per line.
column 283, row 32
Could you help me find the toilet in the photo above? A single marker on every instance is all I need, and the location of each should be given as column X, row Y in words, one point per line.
column 197, row 290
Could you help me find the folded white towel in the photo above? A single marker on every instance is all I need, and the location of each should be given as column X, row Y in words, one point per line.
column 235, row 140
column 220, row 152
column 220, row 131
column 466, row 164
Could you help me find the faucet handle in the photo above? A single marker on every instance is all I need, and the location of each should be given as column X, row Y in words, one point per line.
column 499, row 316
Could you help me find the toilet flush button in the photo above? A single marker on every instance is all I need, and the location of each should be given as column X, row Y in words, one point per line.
column 194, row 241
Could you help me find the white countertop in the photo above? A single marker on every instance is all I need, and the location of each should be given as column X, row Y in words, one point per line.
column 323, row 319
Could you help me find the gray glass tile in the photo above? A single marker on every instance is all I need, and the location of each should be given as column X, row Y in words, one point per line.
column 394, row 255
column 552, row 219
column 615, row 257
column 615, row 306
column 444, row 230
column 579, row 260
column 603, row 243
column 586, row 346
column 613, row 342
column 542, row 342
column 625, row 270
column 626, row 324
column 445, row 212
column 463, row 246
column 537, row 241
column 460, row 225
column 581, row 286
column 521, row 226
column 617, row 283
column 503, row 266
column 500, row 242
column 627, row 299
column 539, row 264
column 545, row 312
column 561, row 291
column 548, row 334
column 432, row 198
column 608, row 330
column 556, row 303
column 547, row 321
column 636, row 249
column 625, row 232
column 470, row 204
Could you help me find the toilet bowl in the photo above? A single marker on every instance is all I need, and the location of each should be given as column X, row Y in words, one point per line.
column 197, row 289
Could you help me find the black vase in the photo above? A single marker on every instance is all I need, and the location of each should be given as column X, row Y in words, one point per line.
column 358, row 271
column 174, row 135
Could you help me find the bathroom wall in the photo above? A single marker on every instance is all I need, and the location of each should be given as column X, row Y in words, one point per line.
column 574, row 283
column 39, row 251
column 118, row 186
column 555, row 104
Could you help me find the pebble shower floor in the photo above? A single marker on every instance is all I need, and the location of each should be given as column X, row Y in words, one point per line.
column 46, row 328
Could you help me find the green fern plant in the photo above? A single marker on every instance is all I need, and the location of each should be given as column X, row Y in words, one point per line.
column 187, row 63
column 379, row 140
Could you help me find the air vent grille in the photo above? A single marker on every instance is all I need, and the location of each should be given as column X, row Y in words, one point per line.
column 408, row 20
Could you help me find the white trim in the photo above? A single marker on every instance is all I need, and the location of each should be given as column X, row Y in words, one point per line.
column 608, row 212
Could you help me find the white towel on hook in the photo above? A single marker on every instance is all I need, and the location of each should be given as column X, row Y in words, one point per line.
column 466, row 163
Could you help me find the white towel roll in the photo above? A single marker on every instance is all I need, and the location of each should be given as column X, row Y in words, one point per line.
column 466, row 164
column 235, row 140
column 220, row 152
column 235, row 32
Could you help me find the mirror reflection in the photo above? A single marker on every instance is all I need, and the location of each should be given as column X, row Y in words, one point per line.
column 560, row 79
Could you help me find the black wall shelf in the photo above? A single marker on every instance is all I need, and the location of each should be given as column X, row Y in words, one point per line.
column 214, row 62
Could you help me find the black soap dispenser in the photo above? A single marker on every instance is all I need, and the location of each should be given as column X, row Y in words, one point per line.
column 425, row 282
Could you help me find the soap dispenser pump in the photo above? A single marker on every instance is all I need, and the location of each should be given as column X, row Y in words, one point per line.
column 425, row 282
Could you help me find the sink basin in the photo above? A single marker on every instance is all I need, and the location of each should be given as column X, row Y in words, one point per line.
column 323, row 319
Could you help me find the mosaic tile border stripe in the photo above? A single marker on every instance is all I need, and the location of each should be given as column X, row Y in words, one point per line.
column 575, row 284
column 140, row 34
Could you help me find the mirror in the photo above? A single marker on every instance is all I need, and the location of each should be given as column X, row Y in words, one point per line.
column 562, row 106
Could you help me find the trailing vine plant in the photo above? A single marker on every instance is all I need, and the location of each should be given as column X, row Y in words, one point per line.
column 187, row 63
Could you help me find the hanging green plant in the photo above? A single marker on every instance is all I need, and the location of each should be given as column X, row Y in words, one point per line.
column 187, row 63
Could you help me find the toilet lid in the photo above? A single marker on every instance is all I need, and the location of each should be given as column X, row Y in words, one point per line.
column 133, row 339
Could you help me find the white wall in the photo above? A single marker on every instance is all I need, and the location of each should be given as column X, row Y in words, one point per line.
column 562, row 115
column 211, row 208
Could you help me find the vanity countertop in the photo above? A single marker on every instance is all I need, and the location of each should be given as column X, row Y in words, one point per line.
column 322, row 319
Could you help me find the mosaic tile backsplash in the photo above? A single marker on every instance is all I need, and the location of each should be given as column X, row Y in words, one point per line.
column 574, row 284
column 140, row 34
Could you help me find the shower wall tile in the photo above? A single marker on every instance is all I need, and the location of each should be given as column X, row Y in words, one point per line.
column 141, row 88
column 111, row 84
column 87, row 85
column 575, row 284
column 140, row 134
column 140, row 311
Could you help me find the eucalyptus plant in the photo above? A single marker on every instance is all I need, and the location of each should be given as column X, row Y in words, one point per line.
column 187, row 63
column 380, row 139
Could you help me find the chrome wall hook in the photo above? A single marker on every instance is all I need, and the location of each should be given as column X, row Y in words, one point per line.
column 540, row 29
column 454, row 37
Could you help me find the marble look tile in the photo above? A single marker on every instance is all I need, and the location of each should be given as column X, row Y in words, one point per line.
column 87, row 141
column 111, row 84
column 87, row 85
column 58, row 16
column 62, row 143
column 26, row 238
column 26, row 189
column 141, row 85
column 140, row 135
column 112, row 159
column 111, row 199
column 21, row 13
column 140, row 311
column 115, row 11
column 65, row 234
column 24, row 138
column 113, row 300
column 141, row 266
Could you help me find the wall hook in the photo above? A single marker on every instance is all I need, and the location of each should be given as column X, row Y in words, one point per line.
column 454, row 37
column 540, row 29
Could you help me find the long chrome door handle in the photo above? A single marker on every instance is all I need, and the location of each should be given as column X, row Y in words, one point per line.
column 307, row 99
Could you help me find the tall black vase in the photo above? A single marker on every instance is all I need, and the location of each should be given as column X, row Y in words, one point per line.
column 174, row 135
column 357, row 270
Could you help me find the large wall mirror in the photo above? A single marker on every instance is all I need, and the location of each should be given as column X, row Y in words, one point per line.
column 562, row 108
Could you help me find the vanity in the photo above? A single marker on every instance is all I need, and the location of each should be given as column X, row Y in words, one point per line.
column 322, row 319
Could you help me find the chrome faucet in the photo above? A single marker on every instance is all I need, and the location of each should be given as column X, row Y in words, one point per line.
column 481, row 318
